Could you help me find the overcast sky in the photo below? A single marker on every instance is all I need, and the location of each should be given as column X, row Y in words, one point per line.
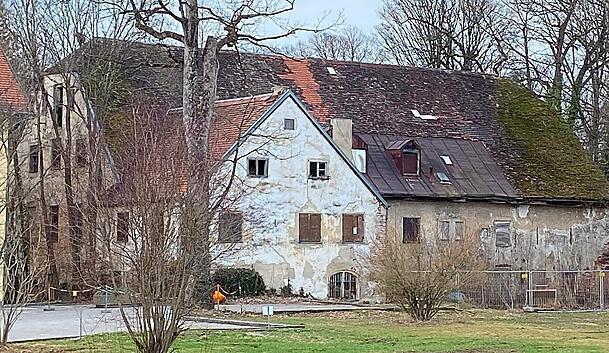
column 360, row 13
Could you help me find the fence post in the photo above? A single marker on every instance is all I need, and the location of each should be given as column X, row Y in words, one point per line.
column 530, row 290
column 601, row 288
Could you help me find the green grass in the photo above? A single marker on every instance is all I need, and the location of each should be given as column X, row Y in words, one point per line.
column 367, row 332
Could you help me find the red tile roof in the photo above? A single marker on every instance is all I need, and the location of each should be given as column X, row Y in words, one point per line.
column 233, row 118
column 11, row 95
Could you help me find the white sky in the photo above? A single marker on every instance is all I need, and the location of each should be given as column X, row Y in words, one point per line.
column 360, row 13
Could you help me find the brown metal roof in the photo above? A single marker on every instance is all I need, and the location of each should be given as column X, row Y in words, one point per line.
column 473, row 172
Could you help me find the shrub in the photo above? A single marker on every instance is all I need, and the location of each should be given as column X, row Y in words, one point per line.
column 241, row 282
column 418, row 276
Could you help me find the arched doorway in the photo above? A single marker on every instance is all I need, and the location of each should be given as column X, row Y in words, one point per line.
column 342, row 285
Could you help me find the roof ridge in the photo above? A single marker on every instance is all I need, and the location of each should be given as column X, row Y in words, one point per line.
column 232, row 101
column 312, row 59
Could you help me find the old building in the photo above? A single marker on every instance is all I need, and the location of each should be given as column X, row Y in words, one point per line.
column 453, row 155
column 309, row 215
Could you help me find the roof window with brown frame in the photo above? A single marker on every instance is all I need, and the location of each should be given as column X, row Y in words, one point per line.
column 407, row 157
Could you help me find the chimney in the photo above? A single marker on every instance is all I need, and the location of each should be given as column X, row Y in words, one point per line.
column 342, row 134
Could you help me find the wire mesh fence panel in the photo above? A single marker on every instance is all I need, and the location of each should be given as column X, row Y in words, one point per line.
column 497, row 290
column 572, row 290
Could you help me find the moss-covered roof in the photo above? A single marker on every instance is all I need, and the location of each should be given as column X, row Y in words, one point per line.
column 549, row 160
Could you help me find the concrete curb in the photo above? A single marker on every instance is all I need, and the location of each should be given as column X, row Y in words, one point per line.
column 255, row 324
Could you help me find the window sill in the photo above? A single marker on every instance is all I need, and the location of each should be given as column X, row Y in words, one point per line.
column 319, row 178
column 257, row 176
column 309, row 243
column 353, row 243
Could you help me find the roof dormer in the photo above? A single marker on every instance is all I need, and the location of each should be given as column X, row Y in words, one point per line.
column 407, row 157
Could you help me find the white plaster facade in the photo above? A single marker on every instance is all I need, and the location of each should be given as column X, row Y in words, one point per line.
column 271, row 205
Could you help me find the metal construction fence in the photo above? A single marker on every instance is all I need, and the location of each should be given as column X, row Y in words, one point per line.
column 574, row 290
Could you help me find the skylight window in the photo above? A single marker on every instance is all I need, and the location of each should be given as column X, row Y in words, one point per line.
column 423, row 116
column 447, row 160
column 443, row 178
column 331, row 70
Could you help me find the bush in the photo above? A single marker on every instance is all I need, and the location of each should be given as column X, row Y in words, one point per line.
column 240, row 282
column 418, row 276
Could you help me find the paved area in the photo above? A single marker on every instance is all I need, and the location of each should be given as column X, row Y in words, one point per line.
column 65, row 322
column 301, row 308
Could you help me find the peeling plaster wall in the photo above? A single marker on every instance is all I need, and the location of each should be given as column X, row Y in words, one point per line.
column 542, row 237
column 271, row 206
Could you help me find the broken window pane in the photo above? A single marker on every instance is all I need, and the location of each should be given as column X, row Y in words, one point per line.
column 230, row 227
column 342, row 285
column 444, row 229
column 257, row 167
column 318, row 170
column 502, row 235
column 411, row 230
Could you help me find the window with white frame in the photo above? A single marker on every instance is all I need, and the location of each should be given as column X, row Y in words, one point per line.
column 258, row 167
column 318, row 170
column 503, row 238
column 289, row 124
column 451, row 230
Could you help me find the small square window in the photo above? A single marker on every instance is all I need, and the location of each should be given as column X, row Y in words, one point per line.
column 318, row 170
column 258, row 167
column 289, row 124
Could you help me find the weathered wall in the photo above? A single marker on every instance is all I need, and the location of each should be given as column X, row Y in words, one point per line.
column 54, row 178
column 542, row 237
column 271, row 206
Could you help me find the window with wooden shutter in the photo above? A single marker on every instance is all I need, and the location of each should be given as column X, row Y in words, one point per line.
column 410, row 162
column 411, row 228
column 122, row 226
column 353, row 228
column 54, row 224
column 309, row 228
column 230, row 227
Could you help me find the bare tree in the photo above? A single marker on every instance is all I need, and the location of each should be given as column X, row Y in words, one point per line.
column 199, row 85
column 348, row 43
column 447, row 34
column 418, row 276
